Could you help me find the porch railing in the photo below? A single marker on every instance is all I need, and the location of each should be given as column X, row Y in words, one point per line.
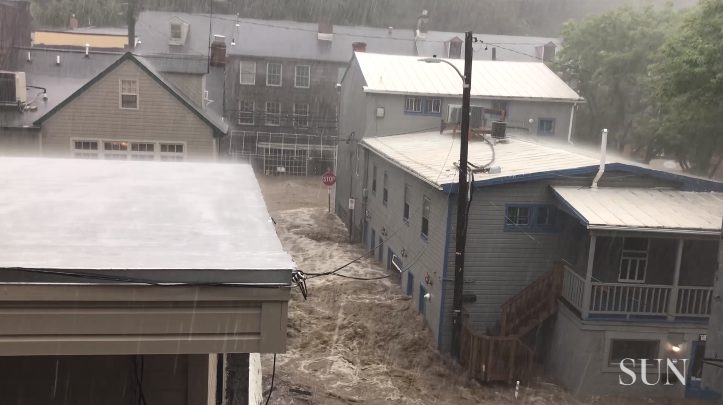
column 636, row 299
column 694, row 301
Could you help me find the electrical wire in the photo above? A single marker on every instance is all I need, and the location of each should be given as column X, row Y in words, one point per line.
column 139, row 380
column 382, row 277
column 273, row 374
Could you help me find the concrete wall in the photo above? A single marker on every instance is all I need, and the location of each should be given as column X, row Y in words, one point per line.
column 95, row 114
column 110, row 380
column 589, row 371
column 423, row 255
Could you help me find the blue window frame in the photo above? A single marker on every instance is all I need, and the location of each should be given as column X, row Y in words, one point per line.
column 530, row 218
column 546, row 126
column 422, row 300
column 416, row 105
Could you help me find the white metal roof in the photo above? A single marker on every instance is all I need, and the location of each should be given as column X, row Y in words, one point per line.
column 490, row 79
column 431, row 156
column 653, row 210
column 82, row 214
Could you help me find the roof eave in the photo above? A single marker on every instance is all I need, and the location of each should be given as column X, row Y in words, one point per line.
column 366, row 89
column 681, row 231
column 401, row 166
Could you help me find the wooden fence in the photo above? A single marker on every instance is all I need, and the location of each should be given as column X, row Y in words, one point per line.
column 495, row 358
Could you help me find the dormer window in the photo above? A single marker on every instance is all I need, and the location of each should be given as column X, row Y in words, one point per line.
column 176, row 31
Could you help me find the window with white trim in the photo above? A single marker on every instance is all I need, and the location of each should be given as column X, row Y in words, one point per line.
column 301, row 115
column 247, row 71
column 273, row 114
column 434, row 105
column 302, row 76
column 143, row 151
column 273, row 74
column 633, row 260
column 176, row 31
column 426, row 210
column 172, row 151
column 413, row 104
column 83, row 149
column 128, row 94
column 633, row 349
column 246, row 112
column 517, row 216
column 115, row 150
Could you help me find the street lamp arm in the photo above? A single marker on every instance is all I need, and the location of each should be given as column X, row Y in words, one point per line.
column 437, row 60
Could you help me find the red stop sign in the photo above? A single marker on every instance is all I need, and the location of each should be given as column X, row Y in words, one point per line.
column 328, row 178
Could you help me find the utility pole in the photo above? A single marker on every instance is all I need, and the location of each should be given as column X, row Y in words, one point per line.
column 131, row 21
column 462, row 192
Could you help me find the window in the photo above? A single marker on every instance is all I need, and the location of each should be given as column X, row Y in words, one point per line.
column 385, row 190
column 426, row 208
column 143, row 151
column 634, row 260
column 273, row 74
column 115, row 150
column 530, row 218
column 546, row 126
column 423, row 105
column 434, row 105
column 405, row 212
column 633, row 349
column 172, row 151
column 247, row 69
column 85, row 149
column 374, row 179
column 176, row 31
column 273, row 114
column 302, row 76
column 129, row 94
column 246, row 112
column 517, row 216
column 301, row 115
column 413, row 104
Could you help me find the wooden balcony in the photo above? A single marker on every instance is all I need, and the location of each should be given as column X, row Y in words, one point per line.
column 635, row 300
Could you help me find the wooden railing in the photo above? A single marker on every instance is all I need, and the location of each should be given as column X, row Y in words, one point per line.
column 636, row 299
column 495, row 358
column 533, row 304
column 633, row 299
column 694, row 301
column 573, row 287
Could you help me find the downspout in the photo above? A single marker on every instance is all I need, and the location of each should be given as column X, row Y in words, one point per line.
column 603, row 153
column 572, row 118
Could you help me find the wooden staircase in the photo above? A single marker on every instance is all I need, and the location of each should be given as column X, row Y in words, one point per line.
column 507, row 357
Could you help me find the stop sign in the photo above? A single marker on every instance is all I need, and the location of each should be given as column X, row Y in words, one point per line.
column 328, row 178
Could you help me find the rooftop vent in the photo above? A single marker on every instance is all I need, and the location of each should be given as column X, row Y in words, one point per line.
column 12, row 88
column 326, row 31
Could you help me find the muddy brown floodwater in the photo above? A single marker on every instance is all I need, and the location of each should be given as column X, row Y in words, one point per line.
column 355, row 342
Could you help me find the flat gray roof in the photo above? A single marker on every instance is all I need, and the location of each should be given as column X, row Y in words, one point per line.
column 190, row 222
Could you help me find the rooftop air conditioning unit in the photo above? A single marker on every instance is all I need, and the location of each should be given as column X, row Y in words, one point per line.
column 499, row 129
column 12, row 88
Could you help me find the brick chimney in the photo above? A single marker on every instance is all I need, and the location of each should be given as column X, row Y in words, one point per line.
column 422, row 22
column 359, row 46
column 73, row 23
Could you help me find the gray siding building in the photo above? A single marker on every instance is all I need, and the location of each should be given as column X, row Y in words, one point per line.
column 633, row 284
column 384, row 95
column 275, row 82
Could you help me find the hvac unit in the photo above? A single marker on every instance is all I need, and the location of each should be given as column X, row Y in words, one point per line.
column 12, row 88
column 499, row 129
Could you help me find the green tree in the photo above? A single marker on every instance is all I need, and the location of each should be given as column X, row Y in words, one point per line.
column 687, row 83
column 606, row 59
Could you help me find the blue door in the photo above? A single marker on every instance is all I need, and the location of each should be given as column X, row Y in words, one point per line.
column 372, row 242
column 694, row 376
column 390, row 255
column 381, row 250
column 410, row 283
column 364, row 231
